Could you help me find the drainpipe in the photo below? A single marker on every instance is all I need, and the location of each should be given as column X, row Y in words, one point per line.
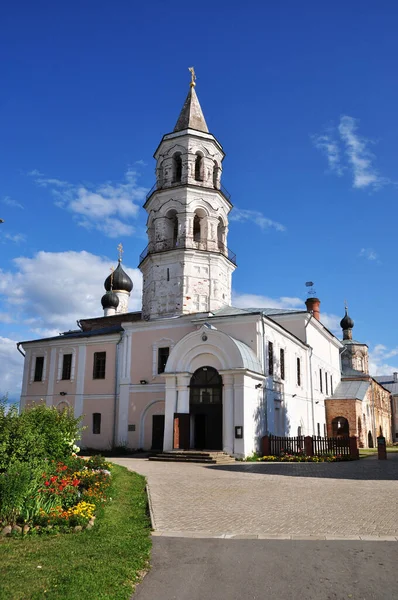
column 19, row 350
column 311, row 382
column 115, row 404
column 265, row 397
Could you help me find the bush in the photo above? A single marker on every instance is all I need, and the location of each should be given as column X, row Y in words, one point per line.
column 38, row 433
column 15, row 486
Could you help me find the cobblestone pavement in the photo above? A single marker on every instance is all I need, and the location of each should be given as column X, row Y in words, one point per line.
column 336, row 500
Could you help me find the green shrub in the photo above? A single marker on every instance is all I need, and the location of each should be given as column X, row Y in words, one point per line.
column 38, row 433
column 15, row 485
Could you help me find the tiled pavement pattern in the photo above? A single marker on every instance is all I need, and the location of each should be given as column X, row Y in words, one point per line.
column 337, row 500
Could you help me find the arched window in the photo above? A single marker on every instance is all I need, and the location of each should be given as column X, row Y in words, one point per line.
column 171, row 233
column 215, row 175
column 206, row 386
column 198, row 167
column 221, row 235
column 196, row 228
column 177, row 167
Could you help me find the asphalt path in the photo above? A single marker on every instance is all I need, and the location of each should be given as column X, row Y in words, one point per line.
column 222, row 569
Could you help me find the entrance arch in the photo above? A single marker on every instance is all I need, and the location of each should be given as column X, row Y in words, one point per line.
column 205, row 409
column 340, row 427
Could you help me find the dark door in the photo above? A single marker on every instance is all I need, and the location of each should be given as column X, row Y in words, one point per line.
column 200, row 432
column 181, row 431
column 157, row 432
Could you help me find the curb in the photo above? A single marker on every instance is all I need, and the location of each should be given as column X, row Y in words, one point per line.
column 292, row 537
column 151, row 513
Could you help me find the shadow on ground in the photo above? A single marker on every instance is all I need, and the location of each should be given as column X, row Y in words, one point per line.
column 365, row 469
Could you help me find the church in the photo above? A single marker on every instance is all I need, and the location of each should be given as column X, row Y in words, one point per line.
column 189, row 371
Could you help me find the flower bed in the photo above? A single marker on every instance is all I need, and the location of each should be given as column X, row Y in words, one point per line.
column 53, row 496
column 299, row 458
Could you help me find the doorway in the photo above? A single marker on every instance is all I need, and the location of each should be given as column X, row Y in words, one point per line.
column 205, row 405
column 157, row 432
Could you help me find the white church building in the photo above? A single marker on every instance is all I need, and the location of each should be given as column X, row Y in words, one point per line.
column 189, row 371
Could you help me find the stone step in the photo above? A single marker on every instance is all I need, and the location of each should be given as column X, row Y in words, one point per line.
column 193, row 456
column 208, row 461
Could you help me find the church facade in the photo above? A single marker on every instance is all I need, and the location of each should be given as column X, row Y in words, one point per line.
column 189, row 371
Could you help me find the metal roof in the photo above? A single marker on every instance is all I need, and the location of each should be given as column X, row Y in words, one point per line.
column 250, row 360
column 388, row 382
column 78, row 334
column 349, row 390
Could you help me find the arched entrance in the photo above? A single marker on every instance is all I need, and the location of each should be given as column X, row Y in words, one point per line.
column 205, row 407
column 340, row 427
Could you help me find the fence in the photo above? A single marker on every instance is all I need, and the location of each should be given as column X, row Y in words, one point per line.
column 273, row 445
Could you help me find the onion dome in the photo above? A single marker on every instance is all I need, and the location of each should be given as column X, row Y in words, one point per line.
column 118, row 280
column 110, row 300
column 346, row 322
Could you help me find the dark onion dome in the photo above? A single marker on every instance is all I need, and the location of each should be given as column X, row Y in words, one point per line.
column 346, row 322
column 118, row 280
column 109, row 300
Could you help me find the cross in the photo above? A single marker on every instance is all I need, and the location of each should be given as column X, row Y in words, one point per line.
column 345, row 305
column 193, row 76
column 120, row 251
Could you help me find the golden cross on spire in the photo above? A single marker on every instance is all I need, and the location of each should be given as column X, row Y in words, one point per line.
column 193, row 76
column 120, row 251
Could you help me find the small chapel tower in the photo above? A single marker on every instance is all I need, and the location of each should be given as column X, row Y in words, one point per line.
column 187, row 266
column 355, row 355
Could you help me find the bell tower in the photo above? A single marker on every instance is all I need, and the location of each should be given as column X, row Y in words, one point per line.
column 187, row 266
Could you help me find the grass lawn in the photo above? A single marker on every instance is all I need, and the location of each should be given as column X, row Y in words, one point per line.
column 103, row 563
column 364, row 452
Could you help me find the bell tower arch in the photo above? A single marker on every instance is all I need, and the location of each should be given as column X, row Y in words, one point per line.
column 187, row 266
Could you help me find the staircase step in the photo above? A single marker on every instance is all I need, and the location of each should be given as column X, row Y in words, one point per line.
column 193, row 456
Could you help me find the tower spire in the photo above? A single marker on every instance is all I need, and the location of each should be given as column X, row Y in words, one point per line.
column 191, row 115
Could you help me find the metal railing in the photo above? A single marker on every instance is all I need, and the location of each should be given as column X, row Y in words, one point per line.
column 221, row 188
column 185, row 243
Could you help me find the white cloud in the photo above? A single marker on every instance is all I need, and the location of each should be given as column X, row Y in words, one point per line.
column 50, row 291
column 258, row 301
column 11, row 202
column 255, row 217
column 330, row 148
column 359, row 155
column 359, row 159
column 332, row 322
column 378, row 358
column 17, row 238
column 107, row 207
column 368, row 253
column 11, row 365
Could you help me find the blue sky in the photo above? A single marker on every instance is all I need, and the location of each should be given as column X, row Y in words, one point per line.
column 303, row 98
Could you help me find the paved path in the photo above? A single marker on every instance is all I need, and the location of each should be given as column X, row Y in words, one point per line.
column 353, row 500
column 210, row 569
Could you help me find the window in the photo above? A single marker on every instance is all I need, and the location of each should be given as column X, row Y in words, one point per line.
column 282, row 361
column 66, row 366
column 320, row 380
column 163, row 355
column 270, row 358
column 299, row 431
column 318, row 428
column 99, row 365
column 298, row 372
column 326, row 384
column 39, row 366
column 196, row 228
column 97, row 421
column 177, row 167
column 198, row 168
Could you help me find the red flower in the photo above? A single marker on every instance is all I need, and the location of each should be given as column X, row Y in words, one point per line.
column 75, row 482
column 47, row 483
column 53, row 478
